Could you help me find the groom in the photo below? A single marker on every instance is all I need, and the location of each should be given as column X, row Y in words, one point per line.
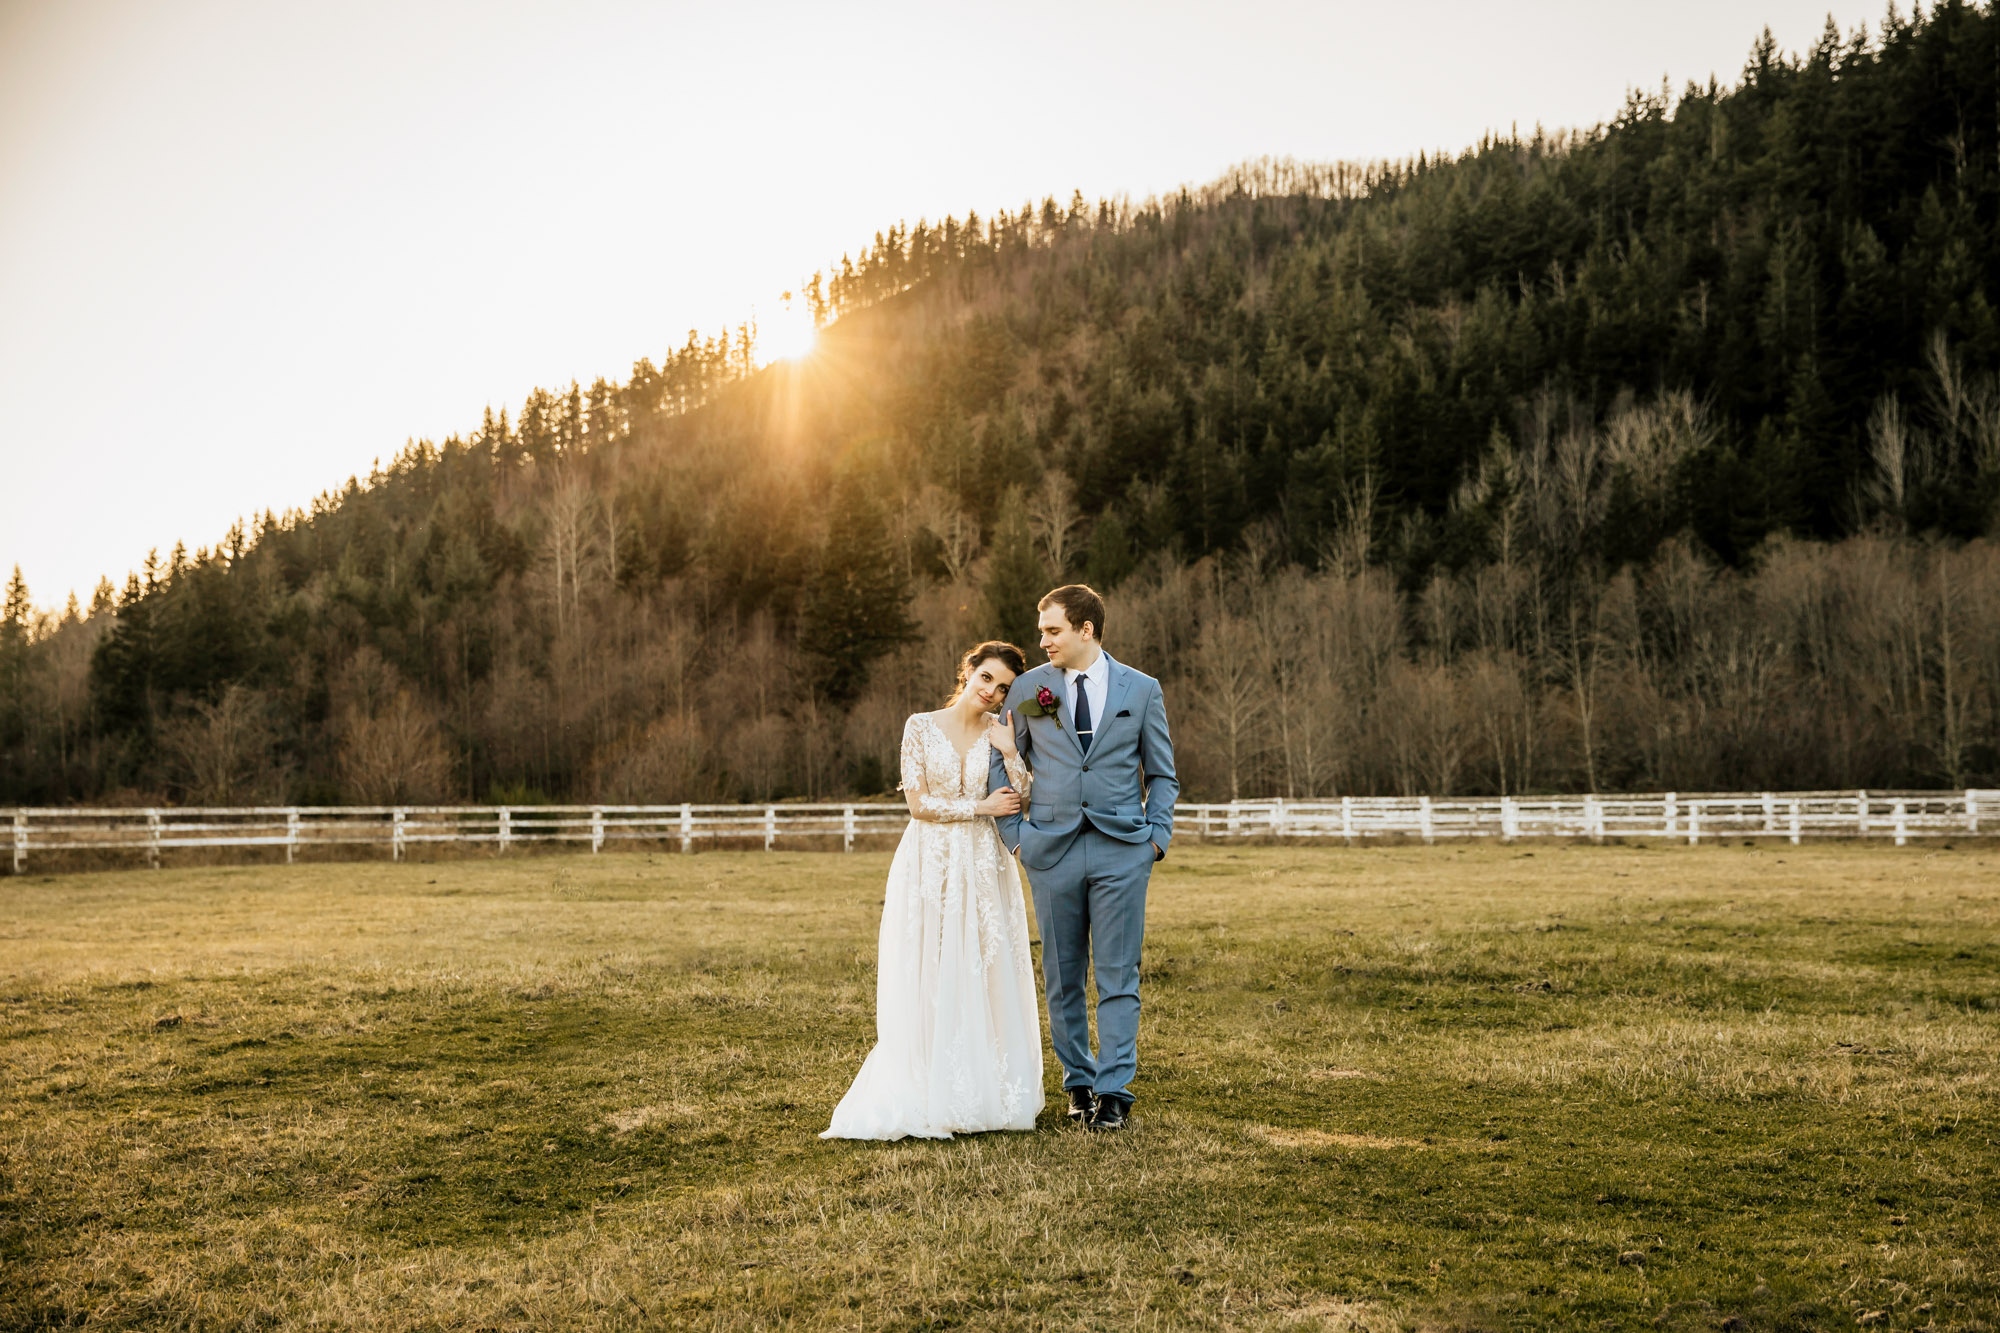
column 1099, row 813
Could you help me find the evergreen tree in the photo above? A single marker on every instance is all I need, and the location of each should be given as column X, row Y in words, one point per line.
column 1015, row 576
column 856, row 603
column 16, row 624
column 17, row 614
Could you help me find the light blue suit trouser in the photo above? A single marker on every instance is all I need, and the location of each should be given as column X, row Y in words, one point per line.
column 1091, row 908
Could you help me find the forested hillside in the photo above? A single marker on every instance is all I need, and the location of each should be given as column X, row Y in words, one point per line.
column 1660, row 455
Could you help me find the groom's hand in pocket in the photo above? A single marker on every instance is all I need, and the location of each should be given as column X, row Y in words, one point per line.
column 1006, row 801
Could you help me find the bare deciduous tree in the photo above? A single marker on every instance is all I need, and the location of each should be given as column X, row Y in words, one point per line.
column 1231, row 698
column 568, row 541
column 759, row 751
column 1565, row 471
column 393, row 755
column 954, row 529
column 1901, row 458
column 1955, row 674
column 1055, row 520
column 1500, row 706
column 221, row 753
column 1305, row 696
column 1645, row 442
column 661, row 763
column 390, row 749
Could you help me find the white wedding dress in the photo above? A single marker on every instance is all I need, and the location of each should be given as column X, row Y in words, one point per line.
column 958, row 1038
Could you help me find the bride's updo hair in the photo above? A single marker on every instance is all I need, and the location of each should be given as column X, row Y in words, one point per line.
column 1005, row 653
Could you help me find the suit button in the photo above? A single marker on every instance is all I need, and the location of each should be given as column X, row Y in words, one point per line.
column 1086, row 805
column 1086, row 768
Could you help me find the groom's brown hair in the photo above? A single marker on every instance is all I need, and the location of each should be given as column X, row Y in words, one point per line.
column 1080, row 604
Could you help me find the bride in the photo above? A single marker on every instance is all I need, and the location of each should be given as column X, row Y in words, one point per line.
column 958, row 1039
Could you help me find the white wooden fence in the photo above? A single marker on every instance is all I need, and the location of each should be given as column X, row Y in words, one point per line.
column 1680, row 817
column 1676, row 816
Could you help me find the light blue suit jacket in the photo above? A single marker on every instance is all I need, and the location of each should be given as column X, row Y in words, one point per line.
column 1125, row 787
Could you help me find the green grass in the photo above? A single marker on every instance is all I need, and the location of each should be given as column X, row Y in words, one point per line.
column 1489, row 1087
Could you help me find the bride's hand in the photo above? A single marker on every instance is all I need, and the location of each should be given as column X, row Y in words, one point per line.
column 1003, row 802
column 1000, row 735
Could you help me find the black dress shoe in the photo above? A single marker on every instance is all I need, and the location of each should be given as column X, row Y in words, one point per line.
column 1081, row 1105
column 1113, row 1112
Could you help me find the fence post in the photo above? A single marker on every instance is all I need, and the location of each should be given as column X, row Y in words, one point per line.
column 596, row 829
column 770, row 826
column 1971, row 810
column 1770, row 814
column 687, row 827
column 847, row 828
column 1795, row 823
column 396, row 836
column 1593, row 817
column 1861, row 813
column 1278, row 818
column 1347, row 819
column 1694, row 822
column 291, row 833
column 1670, row 815
column 20, row 841
column 506, row 827
column 1508, row 828
column 153, row 839
column 1902, row 828
column 1424, row 816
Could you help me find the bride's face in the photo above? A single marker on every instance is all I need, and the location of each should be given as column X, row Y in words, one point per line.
column 987, row 685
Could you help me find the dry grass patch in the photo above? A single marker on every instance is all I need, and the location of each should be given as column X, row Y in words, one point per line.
column 639, row 1117
column 1341, row 1317
column 1664, row 1088
column 1320, row 1138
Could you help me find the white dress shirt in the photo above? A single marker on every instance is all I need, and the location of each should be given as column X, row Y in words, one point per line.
column 1096, row 680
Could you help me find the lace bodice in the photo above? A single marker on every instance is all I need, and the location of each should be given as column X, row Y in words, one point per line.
column 942, row 787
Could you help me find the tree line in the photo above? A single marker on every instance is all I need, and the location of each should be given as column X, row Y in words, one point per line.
column 1664, row 454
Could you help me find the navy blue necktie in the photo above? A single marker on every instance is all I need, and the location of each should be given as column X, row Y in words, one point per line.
column 1083, row 736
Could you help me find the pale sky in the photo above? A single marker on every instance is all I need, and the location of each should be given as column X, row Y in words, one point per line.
column 248, row 246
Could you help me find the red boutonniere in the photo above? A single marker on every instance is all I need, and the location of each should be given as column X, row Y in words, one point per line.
column 1044, row 704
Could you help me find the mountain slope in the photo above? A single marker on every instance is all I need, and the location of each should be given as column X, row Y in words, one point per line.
column 1490, row 430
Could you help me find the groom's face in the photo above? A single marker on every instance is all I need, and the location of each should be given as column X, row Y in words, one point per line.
column 1067, row 646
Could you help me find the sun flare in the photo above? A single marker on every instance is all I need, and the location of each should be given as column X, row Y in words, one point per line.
column 787, row 336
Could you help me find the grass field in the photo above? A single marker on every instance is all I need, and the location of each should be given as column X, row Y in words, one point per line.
column 1432, row 1088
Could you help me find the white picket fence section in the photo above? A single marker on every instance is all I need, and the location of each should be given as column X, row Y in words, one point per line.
column 1675, row 816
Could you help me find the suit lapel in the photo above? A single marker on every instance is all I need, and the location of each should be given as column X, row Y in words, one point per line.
column 1114, row 692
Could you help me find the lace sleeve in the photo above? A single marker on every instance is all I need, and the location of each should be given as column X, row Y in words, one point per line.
column 1018, row 776
column 916, row 789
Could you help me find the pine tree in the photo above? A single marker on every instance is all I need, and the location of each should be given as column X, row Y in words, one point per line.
column 856, row 603
column 1110, row 556
column 1015, row 576
column 17, row 618
column 124, row 667
column 17, row 614
column 16, row 624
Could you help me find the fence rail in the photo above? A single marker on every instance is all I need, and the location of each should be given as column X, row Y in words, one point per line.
column 1676, row 816
column 1688, row 817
